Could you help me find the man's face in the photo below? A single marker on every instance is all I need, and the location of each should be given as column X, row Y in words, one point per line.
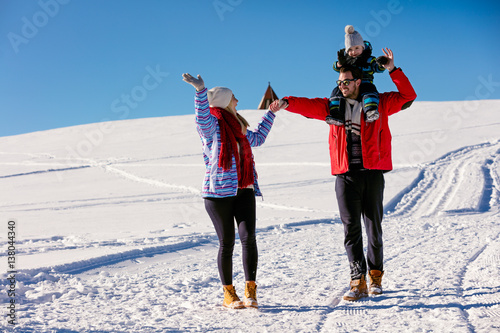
column 351, row 90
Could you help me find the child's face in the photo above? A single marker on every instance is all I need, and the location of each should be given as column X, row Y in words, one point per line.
column 355, row 51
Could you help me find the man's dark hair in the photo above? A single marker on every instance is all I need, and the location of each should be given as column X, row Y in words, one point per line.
column 356, row 72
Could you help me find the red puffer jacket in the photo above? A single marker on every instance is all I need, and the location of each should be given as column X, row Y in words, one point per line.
column 375, row 137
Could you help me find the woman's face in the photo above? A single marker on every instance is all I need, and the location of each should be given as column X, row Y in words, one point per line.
column 233, row 103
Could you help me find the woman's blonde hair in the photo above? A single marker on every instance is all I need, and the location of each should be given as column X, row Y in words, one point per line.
column 239, row 116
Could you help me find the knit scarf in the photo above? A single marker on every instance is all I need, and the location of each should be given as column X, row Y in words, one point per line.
column 231, row 135
column 353, row 111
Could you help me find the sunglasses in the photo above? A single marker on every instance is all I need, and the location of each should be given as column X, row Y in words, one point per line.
column 346, row 82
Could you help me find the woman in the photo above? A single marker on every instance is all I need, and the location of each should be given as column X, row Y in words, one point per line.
column 230, row 183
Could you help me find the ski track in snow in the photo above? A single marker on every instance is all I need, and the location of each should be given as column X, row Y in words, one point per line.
column 106, row 294
column 74, row 204
column 459, row 182
column 110, row 167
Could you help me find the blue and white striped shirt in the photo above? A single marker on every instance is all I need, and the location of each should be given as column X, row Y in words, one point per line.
column 217, row 182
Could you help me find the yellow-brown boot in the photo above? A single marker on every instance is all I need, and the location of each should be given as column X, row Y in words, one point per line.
column 250, row 300
column 358, row 290
column 375, row 282
column 231, row 300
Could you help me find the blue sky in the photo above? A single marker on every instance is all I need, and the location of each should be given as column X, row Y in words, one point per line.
column 71, row 62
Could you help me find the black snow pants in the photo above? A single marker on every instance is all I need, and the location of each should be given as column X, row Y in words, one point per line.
column 360, row 194
column 223, row 212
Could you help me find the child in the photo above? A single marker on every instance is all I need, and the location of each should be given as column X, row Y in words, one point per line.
column 357, row 53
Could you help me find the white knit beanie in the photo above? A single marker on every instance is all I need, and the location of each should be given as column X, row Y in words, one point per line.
column 219, row 97
column 352, row 38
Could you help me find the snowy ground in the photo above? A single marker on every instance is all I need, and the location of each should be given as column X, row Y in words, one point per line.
column 112, row 235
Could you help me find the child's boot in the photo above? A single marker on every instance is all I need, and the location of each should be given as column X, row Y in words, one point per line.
column 337, row 109
column 370, row 107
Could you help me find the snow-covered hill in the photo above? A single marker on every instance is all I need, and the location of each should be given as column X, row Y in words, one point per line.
column 112, row 235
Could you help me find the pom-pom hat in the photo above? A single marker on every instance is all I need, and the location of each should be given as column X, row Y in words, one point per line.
column 352, row 38
column 219, row 97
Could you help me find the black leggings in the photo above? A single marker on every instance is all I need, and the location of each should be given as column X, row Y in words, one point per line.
column 223, row 212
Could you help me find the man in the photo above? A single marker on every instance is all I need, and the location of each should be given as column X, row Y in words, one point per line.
column 360, row 153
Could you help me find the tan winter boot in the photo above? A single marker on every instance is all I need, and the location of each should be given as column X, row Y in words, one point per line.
column 231, row 300
column 358, row 290
column 250, row 300
column 375, row 282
